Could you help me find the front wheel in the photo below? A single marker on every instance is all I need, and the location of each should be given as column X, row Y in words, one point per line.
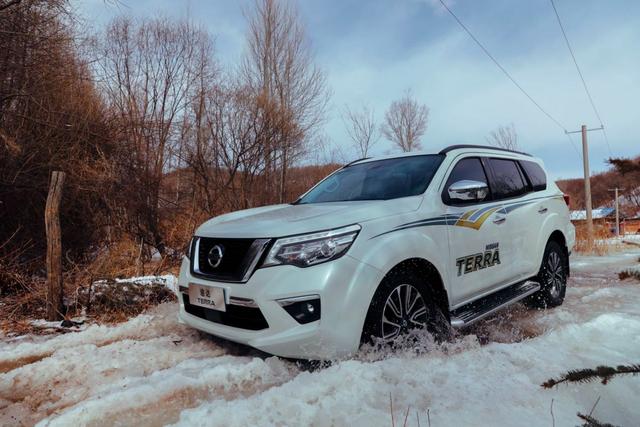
column 552, row 278
column 402, row 303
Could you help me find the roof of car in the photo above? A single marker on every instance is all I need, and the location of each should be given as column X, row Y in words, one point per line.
column 444, row 151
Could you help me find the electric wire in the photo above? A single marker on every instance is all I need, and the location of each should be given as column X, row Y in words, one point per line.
column 506, row 73
column 584, row 83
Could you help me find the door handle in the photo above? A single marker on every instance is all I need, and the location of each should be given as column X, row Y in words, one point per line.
column 500, row 220
column 542, row 210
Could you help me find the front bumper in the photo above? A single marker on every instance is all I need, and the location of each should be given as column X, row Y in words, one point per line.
column 345, row 287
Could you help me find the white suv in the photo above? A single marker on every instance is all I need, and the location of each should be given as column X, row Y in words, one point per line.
column 379, row 247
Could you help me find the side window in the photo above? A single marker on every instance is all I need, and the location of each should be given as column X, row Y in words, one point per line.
column 507, row 180
column 466, row 169
column 536, row 175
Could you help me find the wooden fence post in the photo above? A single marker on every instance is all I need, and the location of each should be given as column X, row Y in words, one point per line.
column 54, row 247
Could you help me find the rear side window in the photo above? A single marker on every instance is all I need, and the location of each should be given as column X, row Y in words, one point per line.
column 536, row 175
column 466, row 169
column 507, row 179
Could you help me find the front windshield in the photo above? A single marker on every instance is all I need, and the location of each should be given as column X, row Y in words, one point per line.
column 377, row 180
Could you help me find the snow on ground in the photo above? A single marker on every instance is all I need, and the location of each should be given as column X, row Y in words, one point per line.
column 153, row 371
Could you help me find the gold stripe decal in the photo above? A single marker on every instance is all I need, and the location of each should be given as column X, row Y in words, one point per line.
column 464, row 222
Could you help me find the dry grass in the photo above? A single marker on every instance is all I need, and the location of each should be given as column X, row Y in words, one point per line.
column 630, row 273
column 602, row 244
column 90, row 289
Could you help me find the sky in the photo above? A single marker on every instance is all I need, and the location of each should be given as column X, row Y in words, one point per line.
column 373, row 51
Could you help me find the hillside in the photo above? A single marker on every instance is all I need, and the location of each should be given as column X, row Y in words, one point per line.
column 600, row 194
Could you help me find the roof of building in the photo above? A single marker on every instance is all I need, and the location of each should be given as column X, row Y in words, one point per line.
column 595, row 214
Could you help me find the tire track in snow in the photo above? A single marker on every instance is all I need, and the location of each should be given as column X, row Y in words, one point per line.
column 159, row 398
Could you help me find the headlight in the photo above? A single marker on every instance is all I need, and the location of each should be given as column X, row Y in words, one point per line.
column 311, row 249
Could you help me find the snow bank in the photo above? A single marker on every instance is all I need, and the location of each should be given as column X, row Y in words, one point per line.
column 497, row 384
column 168, row 280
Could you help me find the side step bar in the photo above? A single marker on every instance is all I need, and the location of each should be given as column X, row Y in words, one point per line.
column 481, row 308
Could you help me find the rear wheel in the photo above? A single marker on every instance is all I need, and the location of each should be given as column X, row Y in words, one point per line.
column 552, row 278
column 402, row 303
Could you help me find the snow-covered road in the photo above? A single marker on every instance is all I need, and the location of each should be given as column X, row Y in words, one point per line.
column 153, row 371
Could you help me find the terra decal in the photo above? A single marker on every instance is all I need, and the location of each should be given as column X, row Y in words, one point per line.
column 479, row 261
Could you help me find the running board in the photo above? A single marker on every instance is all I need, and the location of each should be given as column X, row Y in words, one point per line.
column 481, row 308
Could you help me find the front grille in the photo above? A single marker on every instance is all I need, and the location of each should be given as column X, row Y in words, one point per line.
column 250, row 318
column 240, row 256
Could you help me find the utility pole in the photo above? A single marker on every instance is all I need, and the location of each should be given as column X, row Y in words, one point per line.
column 617, row 210
column 587, row 181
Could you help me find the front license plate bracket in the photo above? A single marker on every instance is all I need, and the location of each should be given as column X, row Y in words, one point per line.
column 211, row 297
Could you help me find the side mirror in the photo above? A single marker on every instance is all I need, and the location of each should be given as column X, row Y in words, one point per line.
column 467, row 191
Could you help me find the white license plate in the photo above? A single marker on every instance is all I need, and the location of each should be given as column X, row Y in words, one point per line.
column 207, row 296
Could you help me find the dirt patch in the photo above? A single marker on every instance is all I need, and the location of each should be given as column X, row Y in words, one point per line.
column 511, row 325
column 10, row 365
column 167, row 408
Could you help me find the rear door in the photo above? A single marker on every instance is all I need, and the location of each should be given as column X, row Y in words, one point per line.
column 512, row 189
column 531, row 215
column 477, row 233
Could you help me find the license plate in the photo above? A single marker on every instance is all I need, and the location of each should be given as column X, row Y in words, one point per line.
column 207, row 296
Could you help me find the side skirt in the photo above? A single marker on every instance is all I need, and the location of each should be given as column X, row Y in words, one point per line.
column 483, row 307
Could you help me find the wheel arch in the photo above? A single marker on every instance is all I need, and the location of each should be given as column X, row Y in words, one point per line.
column 559, row 237
column 428, row 270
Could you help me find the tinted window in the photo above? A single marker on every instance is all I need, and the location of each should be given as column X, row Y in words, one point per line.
column 466, row 169
column 507, row 179
column 378, row 180
column 536, row 175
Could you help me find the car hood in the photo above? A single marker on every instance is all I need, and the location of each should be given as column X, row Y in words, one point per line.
column 284, row 220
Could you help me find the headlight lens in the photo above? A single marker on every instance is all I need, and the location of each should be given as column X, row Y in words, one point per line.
column 311, row 249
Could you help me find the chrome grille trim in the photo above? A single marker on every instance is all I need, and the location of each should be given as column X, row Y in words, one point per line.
column 251, row 259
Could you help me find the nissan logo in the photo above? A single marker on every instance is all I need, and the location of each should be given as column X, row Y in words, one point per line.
column 214, row 258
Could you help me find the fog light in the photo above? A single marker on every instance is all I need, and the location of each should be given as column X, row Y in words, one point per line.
column 304, row 309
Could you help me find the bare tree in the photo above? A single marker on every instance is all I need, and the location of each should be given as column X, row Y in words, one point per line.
column 279, row 67
column 51, row 118
column 405, row 123
column 504, row 137
column 361, row 128
column 148, row 72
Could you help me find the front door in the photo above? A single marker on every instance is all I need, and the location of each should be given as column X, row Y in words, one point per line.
column 477, row 234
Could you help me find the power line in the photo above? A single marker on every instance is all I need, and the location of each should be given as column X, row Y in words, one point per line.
column 506, row 73
column 573, row 144
column 584, row 83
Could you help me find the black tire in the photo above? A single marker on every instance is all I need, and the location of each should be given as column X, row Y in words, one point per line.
column 552, row 278
column 394, row 288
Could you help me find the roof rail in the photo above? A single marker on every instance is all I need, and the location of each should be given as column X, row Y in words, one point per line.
column 356, row 161
column 485, row 147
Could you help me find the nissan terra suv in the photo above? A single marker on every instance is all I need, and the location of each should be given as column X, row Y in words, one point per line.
column 378, row 248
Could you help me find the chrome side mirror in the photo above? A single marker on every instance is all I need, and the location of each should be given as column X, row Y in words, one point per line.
column 468, row 190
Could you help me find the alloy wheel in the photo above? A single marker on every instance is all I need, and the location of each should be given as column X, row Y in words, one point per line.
column 555, row 274
column 405, row 309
